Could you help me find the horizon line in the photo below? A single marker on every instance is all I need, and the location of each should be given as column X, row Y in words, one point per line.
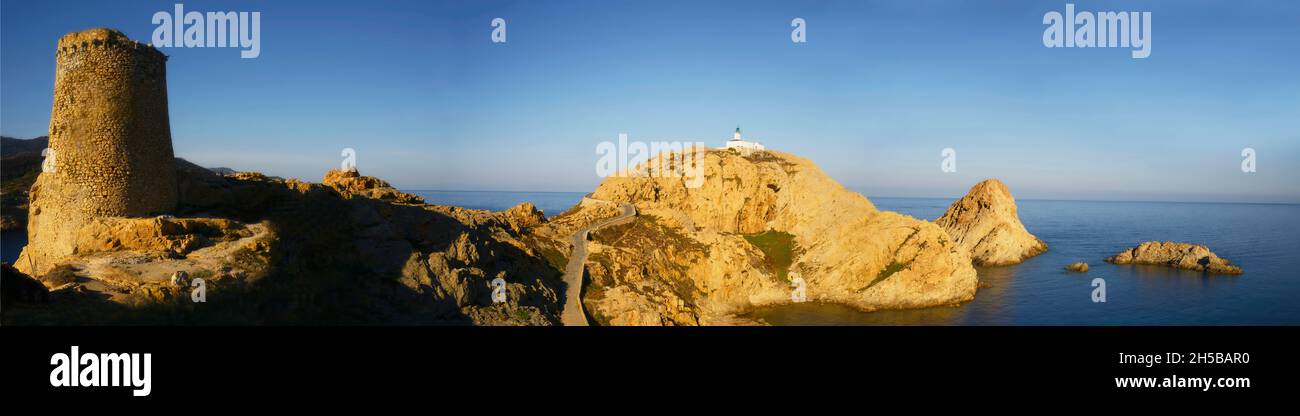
column 900, row 197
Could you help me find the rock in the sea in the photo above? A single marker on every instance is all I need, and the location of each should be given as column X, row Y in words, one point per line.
column 1080, row 267
column 1178, row 255
column 984, row 224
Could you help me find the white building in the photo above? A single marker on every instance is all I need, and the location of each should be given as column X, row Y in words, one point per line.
column 744, row 147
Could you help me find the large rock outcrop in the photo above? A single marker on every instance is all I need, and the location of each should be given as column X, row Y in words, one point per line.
column 351, row 250
column 985, row 225
column 1178, row 255
column 686, row 259
column 350, row 183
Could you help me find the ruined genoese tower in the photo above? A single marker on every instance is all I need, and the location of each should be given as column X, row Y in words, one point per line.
column 110, row 142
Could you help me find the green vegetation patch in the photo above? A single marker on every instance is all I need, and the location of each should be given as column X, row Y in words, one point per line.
column 19, row 184
column 778, row 247
column 645, row 233
column 555, row 259
column 889, row 270
column 612, row 233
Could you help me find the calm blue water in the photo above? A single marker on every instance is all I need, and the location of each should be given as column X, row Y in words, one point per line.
column 551, row 203
column 1262, row 239
column 11, row 243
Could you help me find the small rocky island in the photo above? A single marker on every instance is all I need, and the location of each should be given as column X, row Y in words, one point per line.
column 985, row 225
column 1178, row 255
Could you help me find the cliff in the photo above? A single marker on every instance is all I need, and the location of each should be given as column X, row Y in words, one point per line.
column 986, row 226
column 703, row 255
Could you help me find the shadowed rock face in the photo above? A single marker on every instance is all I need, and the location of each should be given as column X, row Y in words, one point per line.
column 1178, row 255
column 351, row 250
column 686, row 261
column 984, row 223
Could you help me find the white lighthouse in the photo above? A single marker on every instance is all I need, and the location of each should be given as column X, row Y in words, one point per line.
column 742, row 146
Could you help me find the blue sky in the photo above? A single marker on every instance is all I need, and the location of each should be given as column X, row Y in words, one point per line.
column 428, row 102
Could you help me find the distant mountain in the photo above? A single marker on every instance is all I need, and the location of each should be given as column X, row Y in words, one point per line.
column 20, row 156
column 11, row 145
column 20, row 163
column 222, row 171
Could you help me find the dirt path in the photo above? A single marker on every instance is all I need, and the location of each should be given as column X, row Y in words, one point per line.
column 573, row 315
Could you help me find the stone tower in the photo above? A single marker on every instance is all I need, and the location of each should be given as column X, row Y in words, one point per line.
column 110, row 141
column 109, row 128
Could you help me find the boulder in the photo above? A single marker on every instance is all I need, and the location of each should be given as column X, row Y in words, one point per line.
column 523, row 216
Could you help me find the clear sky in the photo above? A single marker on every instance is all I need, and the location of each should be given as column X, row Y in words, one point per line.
column 880, row 87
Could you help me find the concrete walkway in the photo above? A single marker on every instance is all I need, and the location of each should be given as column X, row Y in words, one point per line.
column 573, row 314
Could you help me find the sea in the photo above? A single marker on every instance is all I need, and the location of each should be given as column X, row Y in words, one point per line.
column 1261, row 238
column 1264, row 239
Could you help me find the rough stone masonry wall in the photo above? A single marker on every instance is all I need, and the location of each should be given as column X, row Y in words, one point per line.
column 109, row 127
column 111, row 138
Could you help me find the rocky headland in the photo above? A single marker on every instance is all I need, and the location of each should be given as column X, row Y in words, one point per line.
column 348, row 250
column 986, row 226
column 1177, row 255
column 701, row 256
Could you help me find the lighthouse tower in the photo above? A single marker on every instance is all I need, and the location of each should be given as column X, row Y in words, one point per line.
column 743, row 147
